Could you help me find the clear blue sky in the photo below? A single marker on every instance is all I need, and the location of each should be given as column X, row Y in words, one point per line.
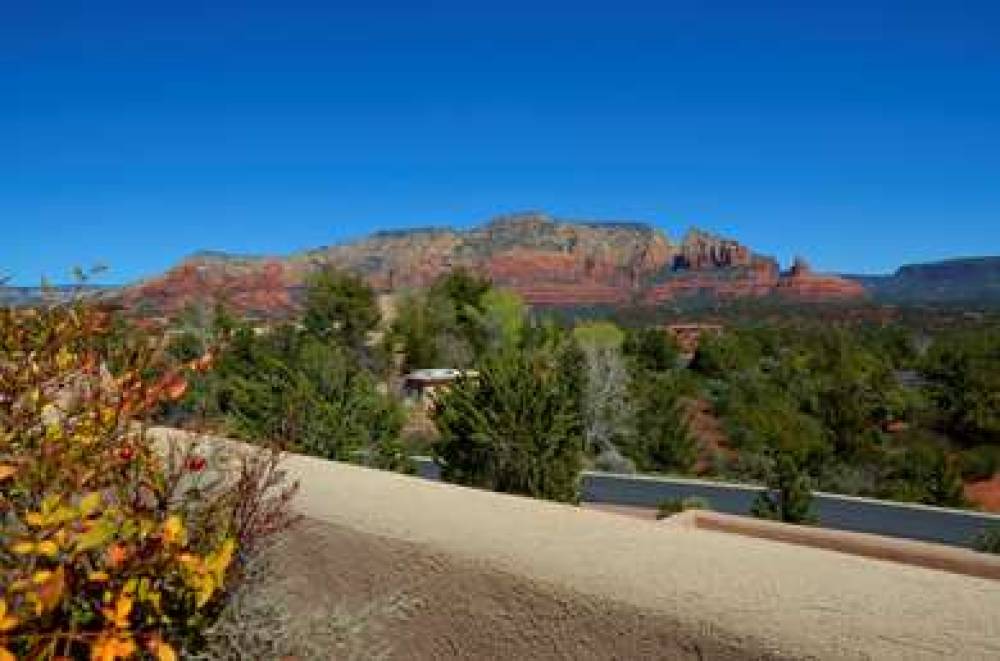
column 861, row 134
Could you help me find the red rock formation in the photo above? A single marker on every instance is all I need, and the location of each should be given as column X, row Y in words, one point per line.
column 548, row 262
column 701, row 250
column 802, row 283
column 258, row 288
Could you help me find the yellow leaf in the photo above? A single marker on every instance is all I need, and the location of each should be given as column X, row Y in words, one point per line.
column 206, row 589
column 218, row 562
column 98, row 576
column 163, row 651
column 64, row 358
column 50, row 502
column 23, row 548
column 62, row 515
column 7, row 622
column 108, row 415
column 99, row 534
column 122, row 609
column 35, row 519
column 47, row 548
column 90, row 503
column 173, row 529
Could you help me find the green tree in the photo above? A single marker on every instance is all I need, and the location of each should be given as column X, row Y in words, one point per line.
column 727, row 354
column 922, row 471
column 788, row 497
column 313, row 394
column 515, row 428
column 662, row 440
column 502, row 318
column 651, row 349
column 416, row 331
column 464, row 292
column 340, row 307
column 963, row 371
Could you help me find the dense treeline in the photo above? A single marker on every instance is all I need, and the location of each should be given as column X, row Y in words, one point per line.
column 860, row 410
column 313, row 384
column 868, row 408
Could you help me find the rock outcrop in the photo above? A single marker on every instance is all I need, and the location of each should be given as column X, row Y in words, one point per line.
column 550, row 263
column 801, row 282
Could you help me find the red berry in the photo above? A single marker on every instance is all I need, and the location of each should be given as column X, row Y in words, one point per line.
column 195, row 464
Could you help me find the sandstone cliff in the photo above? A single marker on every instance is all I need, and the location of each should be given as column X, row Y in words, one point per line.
column 549, row 262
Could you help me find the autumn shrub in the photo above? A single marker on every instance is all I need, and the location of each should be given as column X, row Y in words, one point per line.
column 113, row 542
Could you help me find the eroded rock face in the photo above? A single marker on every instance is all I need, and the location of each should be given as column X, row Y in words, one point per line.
column 802, row 283
column 702, row 250
column 811, row 286
column 256, row 287
column 548, row 262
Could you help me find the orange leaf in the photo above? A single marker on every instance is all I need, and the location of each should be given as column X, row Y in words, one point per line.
column 111, row 648
column 116, row 555
column 163, row 651
column 51, row 587
column 176, row 388
column 7, row 471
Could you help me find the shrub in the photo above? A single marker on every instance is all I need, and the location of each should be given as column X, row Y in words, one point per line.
column 791, row 500
column 673, row 506
column 111, row 543
column 988, row 541
column 980, row 463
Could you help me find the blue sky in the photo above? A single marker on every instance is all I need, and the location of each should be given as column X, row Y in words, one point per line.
column 861, row 134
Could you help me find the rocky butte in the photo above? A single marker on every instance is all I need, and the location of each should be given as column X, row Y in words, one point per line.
column 549, row 262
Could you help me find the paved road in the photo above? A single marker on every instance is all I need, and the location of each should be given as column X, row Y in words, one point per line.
column 930, row 524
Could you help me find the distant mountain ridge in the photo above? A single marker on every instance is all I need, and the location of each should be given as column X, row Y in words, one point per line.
column 958, row 280
column 550, row 262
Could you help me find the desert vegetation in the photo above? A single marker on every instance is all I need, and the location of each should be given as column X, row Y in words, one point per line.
column 113, row 544
column 882, row 408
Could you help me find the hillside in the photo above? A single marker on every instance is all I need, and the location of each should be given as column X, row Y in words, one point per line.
column 963, row 280
column 549, row 262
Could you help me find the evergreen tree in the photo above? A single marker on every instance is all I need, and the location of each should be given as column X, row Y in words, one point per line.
column 662, row 440
column 515, row 428
column 792, row 502
column 341, row 308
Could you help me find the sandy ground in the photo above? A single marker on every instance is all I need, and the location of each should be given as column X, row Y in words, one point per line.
column 755, row 594
column 574, row 570
column 418, row 603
